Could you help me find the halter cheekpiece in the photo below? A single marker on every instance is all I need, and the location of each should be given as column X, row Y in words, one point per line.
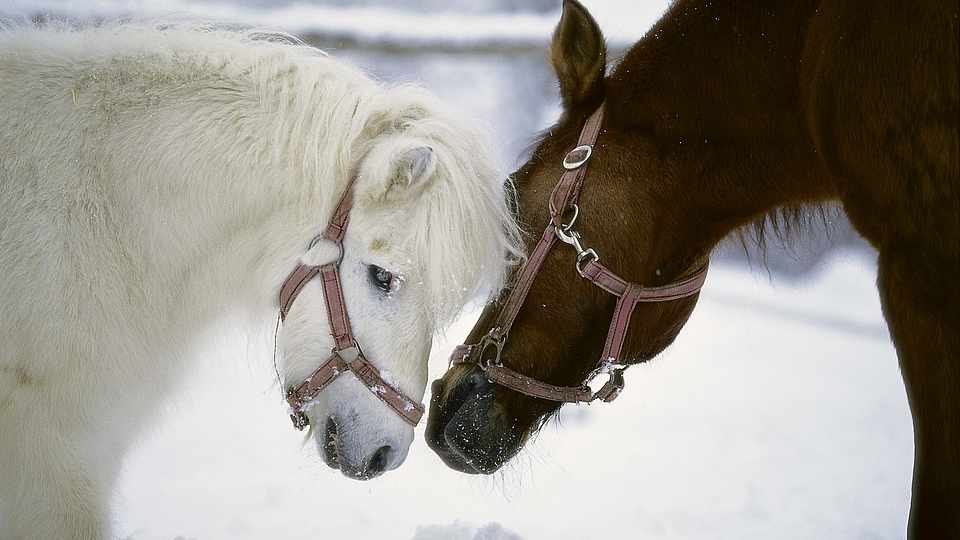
column 564, row 212
column 347, row 356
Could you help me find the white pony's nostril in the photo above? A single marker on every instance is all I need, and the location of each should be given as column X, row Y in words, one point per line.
column 331, row 450
column 378, row 462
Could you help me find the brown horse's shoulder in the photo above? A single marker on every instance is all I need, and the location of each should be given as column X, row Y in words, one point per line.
column 880, row 89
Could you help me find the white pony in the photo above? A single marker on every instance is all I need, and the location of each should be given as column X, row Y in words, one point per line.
column 154, row 179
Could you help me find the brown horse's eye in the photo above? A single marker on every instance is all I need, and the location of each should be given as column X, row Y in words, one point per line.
column 380, row 278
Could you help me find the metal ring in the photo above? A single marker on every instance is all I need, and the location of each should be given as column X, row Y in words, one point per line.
column 569, row 237
column 573, row 221
column 493, row 338
column 577, row 157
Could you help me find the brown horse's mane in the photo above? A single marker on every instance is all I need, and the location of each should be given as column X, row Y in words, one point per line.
column 785, row 225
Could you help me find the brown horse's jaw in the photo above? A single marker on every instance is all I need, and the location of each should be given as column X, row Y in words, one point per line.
column 462, row 430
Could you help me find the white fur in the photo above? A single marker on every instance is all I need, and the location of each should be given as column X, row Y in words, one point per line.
column 152, row 180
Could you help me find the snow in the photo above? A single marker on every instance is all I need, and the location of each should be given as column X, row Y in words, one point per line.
column 461, row 531
column 623, row 20
column 765, row 420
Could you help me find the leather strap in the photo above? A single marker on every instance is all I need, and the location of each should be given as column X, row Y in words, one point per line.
column 408, row 409
column 564, row 194
column 519, row 382
column 298, row 397
column 341, row 216
column 602, row 277
column 347, row 355
column 292, row 286
column 340, row 327
column 619, row 325
column 532, row 387
column 518, row 294
column 568, row 188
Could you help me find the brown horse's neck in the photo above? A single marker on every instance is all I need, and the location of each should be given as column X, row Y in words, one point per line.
column 717, row 90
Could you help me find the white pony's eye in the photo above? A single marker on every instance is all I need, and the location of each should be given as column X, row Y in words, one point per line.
column 380, row 278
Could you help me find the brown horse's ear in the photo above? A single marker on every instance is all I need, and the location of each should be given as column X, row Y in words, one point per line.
column 578, row 54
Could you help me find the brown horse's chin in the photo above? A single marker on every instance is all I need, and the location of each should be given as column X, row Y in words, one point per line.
column 466, row 427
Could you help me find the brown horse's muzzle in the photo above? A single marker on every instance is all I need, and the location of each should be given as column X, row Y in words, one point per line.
column 466, row 426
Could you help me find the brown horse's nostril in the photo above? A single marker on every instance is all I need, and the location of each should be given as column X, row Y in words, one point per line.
column 437, row 387
column 378, row 462
column 478, row 384
column 464, row 429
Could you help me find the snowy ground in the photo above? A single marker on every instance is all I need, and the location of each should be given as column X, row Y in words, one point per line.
column 779, row 413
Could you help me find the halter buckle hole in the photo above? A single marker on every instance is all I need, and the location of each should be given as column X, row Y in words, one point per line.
column 577, row 157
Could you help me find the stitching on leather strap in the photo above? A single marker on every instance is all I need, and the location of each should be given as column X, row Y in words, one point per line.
column 532, row 387
column 336, row 307
column 515, row 299
column 619, row 325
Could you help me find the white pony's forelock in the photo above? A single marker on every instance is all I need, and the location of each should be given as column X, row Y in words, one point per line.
column 463, row 232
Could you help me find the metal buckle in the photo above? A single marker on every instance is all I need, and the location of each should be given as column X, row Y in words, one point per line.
column 494, row 339
column 589, row 256
column 569, row 237
column 615, row 386
column 577, row 157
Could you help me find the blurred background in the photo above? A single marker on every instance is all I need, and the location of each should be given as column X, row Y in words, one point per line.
column 779, row 412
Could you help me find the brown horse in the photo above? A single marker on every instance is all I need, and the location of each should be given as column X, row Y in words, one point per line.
column 725, row 115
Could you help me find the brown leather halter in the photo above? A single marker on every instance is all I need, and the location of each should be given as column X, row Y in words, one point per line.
column 347, row 355
column 563, row 202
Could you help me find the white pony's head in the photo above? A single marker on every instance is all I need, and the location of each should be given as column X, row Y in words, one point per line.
column 429, row 230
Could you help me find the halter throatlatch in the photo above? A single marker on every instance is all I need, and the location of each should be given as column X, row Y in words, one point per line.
column 347, row 355
column 564, row 212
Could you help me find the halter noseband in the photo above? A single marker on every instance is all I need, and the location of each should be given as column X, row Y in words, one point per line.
column 563, row 202
column 347, row 355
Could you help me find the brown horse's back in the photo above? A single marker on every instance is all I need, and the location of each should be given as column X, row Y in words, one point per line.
column 881, row 85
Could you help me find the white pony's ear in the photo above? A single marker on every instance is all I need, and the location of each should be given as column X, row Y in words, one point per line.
column 398, row 171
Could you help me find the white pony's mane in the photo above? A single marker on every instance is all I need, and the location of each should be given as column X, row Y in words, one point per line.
column 462, row 231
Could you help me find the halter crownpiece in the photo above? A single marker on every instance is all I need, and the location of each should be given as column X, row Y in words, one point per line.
column 347, row 356
column 563, row 204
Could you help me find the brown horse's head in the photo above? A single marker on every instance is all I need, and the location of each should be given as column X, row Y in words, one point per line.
column 627, row 216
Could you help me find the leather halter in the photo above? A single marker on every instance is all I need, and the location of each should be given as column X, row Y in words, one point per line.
column 563, row 202
column 347, row 355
